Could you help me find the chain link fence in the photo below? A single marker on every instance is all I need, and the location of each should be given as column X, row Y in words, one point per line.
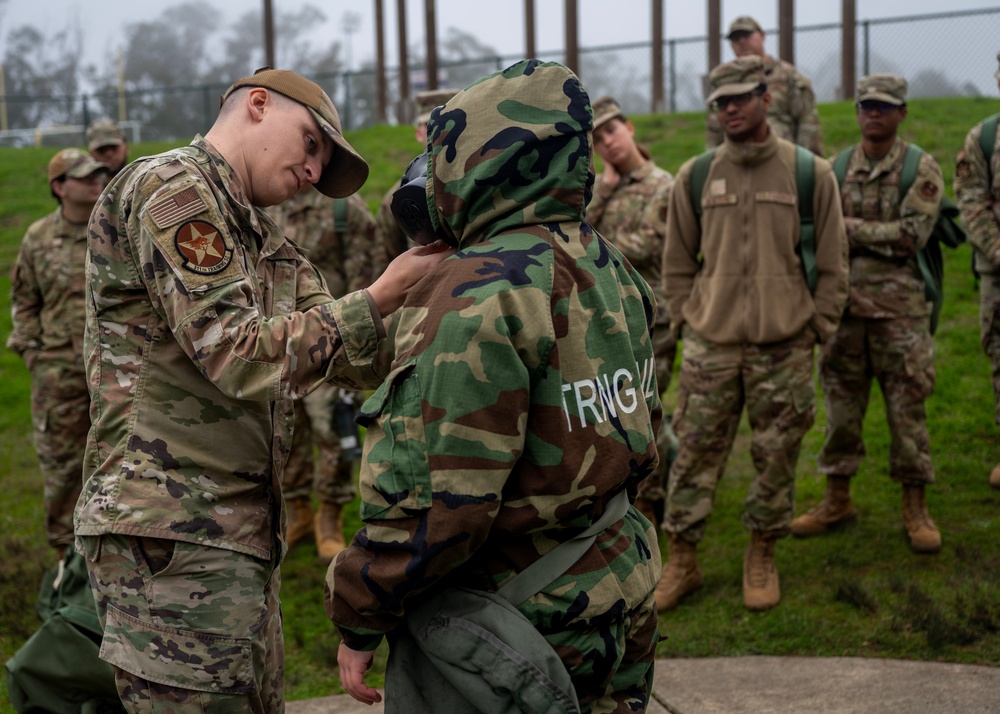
column 900, row 45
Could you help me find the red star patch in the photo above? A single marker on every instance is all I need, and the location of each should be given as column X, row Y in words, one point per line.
column 202, row 248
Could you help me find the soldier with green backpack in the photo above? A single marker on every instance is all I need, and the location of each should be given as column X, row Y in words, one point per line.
column 977, row 190
column 755, row 274
column 892, row 195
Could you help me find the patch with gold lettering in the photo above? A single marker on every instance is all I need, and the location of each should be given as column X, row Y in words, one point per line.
column 202, row 248
column 928, row 189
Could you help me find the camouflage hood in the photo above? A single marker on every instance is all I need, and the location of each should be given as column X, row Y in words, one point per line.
column 513, row 149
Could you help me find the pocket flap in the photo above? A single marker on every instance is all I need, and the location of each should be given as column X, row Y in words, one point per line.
column 178, row 658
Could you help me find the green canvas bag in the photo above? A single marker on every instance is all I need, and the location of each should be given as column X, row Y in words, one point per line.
column 463, row 650
column 58, row 669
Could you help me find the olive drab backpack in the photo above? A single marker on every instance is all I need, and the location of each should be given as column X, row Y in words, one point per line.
column 805, row 182
column 59, row 668
column 946, row 230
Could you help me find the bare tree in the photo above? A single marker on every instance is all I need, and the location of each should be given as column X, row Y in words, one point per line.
column 42, row 76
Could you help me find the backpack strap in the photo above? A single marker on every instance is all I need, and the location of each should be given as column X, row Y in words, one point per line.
column 911, row 161
column 987, row 140
column 805, row 183
column 558, row 560
column 340, row 216
column 699, row 174
column 840, row 164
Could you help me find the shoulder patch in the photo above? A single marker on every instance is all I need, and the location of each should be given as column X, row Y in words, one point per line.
column 202, row 248
column 172, row 208
column 928, row 190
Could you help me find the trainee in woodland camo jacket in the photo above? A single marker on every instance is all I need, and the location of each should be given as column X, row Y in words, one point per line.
column 522, row 395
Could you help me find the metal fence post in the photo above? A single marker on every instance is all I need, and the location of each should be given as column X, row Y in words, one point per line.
column 866, row 24
column 673, row 75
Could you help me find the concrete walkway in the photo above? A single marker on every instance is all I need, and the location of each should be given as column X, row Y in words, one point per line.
column 791, row 685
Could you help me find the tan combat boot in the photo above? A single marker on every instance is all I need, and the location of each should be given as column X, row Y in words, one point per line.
column 299, row 518
column 995, row 477
column 761, row 590
column 680, row 575
column 329, row 531
column 836, row 507
column 924, row 535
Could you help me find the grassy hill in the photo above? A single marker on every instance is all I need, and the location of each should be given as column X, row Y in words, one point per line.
column 857, row 592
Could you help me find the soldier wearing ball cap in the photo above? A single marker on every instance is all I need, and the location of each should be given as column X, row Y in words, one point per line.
column 885, row 333
column 106, row 142
column 204, row 323
column 47, row 310
column 737, row 291
column 792, row 112
column 977, row 192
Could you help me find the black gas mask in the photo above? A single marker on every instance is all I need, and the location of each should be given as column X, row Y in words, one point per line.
column 409, row 205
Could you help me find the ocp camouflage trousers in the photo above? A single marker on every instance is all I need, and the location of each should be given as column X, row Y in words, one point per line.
column 899, row 354
column 328, row 473
column 60, row 415
column 188, row 628
column 989, row 330
column 654, row 488
column 775, row 383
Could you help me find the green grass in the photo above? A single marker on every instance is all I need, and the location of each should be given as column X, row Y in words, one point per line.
column 859, row 591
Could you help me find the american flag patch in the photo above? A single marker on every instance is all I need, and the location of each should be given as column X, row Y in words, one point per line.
column 174, row 208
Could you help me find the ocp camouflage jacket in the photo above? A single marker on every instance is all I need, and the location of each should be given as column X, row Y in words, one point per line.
column 202, row 323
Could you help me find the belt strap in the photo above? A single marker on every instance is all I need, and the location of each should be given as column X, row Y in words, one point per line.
column 558, row 560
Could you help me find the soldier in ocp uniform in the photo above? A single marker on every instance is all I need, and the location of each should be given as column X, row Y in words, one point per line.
column 737, row 291
column 629, row 208
column 977, row 190
column 391, row 239
column 792, row 113
column 203, row 323
column 338, row 236
column 884, row 334
column 47, row 311
column 107, row 143
column 521, row 401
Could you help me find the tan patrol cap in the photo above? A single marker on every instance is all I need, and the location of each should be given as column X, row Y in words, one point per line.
column 889, row 88
column 74, row 163
column 606, row 109
column 347, row 171
column 429, row 100
column 742, row 75
column 744, row 23
column 104, row 132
